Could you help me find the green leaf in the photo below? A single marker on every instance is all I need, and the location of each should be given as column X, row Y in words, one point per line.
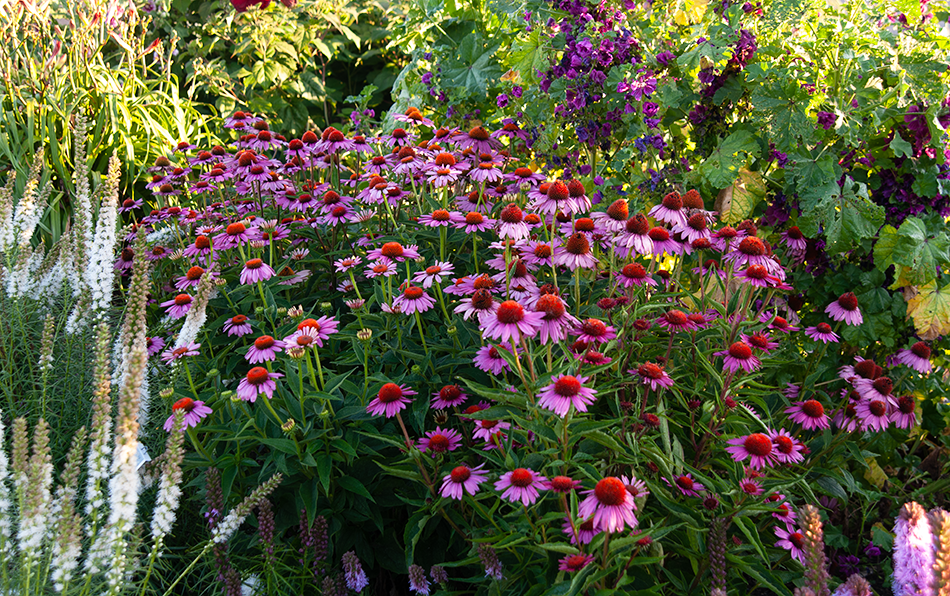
column 900, row 147
column 752, row 535
column 353, row 485
column 738, row 201
column 412, row 532
column 527, row 56
column 832, row 486
column 721, row 168
column 324, row 471
column 472, row 66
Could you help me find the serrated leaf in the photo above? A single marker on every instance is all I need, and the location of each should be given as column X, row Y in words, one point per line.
column 738, row 201
column 930, row 311
column 722, row 166
column 528, row 56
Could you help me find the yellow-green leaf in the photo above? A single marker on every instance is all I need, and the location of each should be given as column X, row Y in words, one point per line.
column 930, row 311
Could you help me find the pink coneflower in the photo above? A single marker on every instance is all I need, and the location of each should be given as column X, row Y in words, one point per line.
column 791, row 540
column 637, row 488
column 694, row 229
column 880, row 388
column 635, row 239
column 739, row 355
column 585, row 531
column 340, row 214
column 256, row 270
column 566, row 391
column 562, row 484
column 390, row 399
column 345, row 264
column 794, row 240
column 487, row 429
column 201, row 247
column 575, row 253
column 380, row 269
column 610, row 504
column 474, row 222
column 846, row 418
column 394, row 251
column 594, row 331
column 324, row 326
column 154, row 345
column 783, row 510
column 510, row 322
column 237, row 326
column 178, row 306
column 302, row 338
column 663, row 243
column 449, row 396
column 750, row 487
column 170, row 355
column 434, row 274
column 788, row 450
column 481, row 303
column 479, row 139
column 751, row 250
column 440, row 440
column 521, row 484
column 873, row 414
column 555, row 322
column 511, row 223
column 686, row 485
column 675, row 321
column 758, row 276
column 235, row 234
column 194, row 412
column 904, row 415
column 572, row 563
column 443, row 176
column 845, row 308
column 413, row 300
column 670, row 210
column 488, row 359
column 614, row 219
column 440, row 217
column 634, row 274
column 760, row 341
column 258, row 381
column 190, row 279
column 756, row 447
column 653, row 375
column 462, row 479
column 264, row 348
column 822, row 332
column 917, row 357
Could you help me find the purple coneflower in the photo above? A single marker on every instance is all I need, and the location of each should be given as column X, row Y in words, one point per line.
column 521, row 484
column 449, row 396
column 382, row 268
column 757, row 447
column 566, row 391
column 489, row 360
column 572, row 563
column 791, row 540
column 760, row 341
column 917, row 357
column 258, row 381
column 583, row 533
column 675, row 321
column 237, row 325
column 794, row 240
column 873, row 414
column 810, row 414
column 462, row 479
column 264, row 348
column 686, row 485
column 170, row 356
column 556, row 321
column 154, row 345
column 394, row 251
column 194, row 412
column 739, row 355
column 594, row 331
column 434, row 274
column 822, row 332
column 324, row 326
column 845, row 308
column 750, row 487
column 511, row 223
column 481, row 303
column 510, row 322
column 256, row 270
column 670, row 210
column 474, row 222
column 904, row 415
column 347, row 263
column 788, row 450
column 391, row 399
column 178, row 306
column 634, row 274
column 653, row 375
column 440, row 440
column 413, row 300
column 574, row 253
column 610, row 504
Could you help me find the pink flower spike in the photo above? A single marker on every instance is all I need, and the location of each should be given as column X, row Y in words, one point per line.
column 462, row 479
column 610, row 504
column 391, row 399
column 564, row 392
column 522, row 485
column 194, row 412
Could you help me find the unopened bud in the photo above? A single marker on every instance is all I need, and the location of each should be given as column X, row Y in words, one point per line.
column 364, row 334
column 288, row 427
column 212, row 373
column 452, row 330
column 326, row 307
column 295, row 312
column 259, row 310
column 166, row 392
column 295, row 353
column 416, row 369
column 281, row 311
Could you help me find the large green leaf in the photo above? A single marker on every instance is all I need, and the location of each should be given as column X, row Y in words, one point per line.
column 472, row 66
column 721, row 168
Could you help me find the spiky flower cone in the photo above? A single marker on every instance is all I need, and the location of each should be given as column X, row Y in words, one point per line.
column 940, row 525
column 855, row 586
column 913, row 552
column 716, row 547
column 67, row 542
column 816, row 567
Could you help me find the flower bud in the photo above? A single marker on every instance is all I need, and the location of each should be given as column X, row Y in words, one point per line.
column 326, row 307
column 166, row 392
column 452, row 330
column 364, row 335
column 416, row 369
column 281, row 311
column 288, row 427
column 212, row 373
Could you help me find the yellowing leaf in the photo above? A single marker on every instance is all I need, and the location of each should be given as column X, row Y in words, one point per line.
column 737, row 202
column 874, row 474
column 930, row 311
column 695, row 9
column 512, row 76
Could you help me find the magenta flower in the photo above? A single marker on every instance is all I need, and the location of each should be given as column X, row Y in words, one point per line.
column 788, row 450
column 758, row 276
column 394, row 251
column 675, row 321
column 822, row 332
column 449, row 396
column 634, row 275
column 845, row 308
column 256, row 270
column 433, row 274
column 572, row 563
column 791, row 540
column 879, row 388
column 670, row 210
column 594, row 331
column 582, row 533
column 562, row 484
column 190, row 279
column 739, row 355
column 474, row 222
column 873, row 414
column 810, row 414
column 440, row 440
column 258, row 381
column 347, row 263
column 750, row 487
column 760, row 341
column 686, row 485
column 194, row 412
column 756, row 447
column 324, row 328
column 264, row 349
column 917, row 357
column 391, row 399
column 904, row 415
column 481, row 303
column 778, row 323
column 610, row 504
column 486, row 429
column 783, row 512
column 653, row 375
column 178, row 306
column 380, row 268
column 154, row 345
column 170, row 355
column 413, row 300
column 462, row 479
column 794, row 240
column 556, row 321
column 564, row 392
column 511, row 223
column 510, row 322
column 522, row 485
column 440, row 217
column 489, row 360
column 575, row 253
